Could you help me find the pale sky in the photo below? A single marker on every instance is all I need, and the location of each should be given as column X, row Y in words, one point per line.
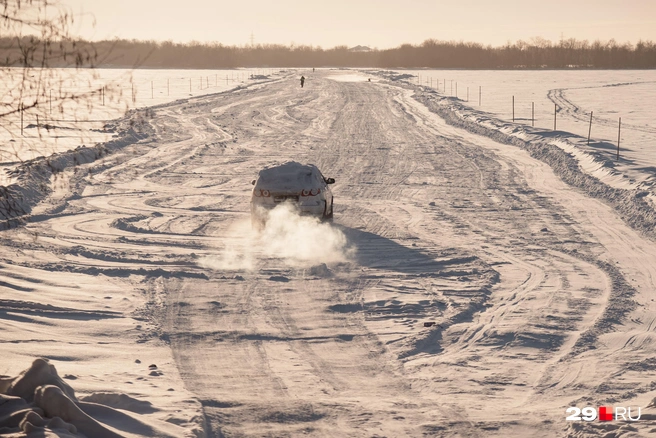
column 375, row 23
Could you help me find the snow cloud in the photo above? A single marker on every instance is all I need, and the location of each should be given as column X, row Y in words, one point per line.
column 299, row 241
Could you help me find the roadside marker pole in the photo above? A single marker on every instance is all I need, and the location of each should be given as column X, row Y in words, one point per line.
column 21, row 108
column 479, row 95
column 168, row 87
column 555, row 110
column 619, row 130
column 152, row 90
column 532, row 113
column 513, row 106
column 456, row 90
column 467, row 94
column 590, row 127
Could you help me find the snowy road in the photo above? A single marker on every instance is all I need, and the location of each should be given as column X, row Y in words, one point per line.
column 541, row 296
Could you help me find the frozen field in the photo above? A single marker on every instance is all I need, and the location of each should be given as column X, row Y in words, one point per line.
column 477, row 280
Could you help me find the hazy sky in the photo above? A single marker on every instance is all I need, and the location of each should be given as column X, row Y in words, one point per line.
column 374, row 23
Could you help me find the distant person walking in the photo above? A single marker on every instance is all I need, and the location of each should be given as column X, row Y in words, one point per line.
column 302, row 81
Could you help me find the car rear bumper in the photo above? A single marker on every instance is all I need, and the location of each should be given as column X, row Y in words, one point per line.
column 303, row 208
column 313, row 210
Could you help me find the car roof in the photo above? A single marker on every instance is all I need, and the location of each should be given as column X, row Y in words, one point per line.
column 289, row 168
column 289, row 175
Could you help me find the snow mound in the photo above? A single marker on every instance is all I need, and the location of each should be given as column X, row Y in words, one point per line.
column 38, row 402
column 120, row 401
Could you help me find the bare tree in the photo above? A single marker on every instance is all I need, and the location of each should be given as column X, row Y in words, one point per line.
column 48, row 78
column 35, row 39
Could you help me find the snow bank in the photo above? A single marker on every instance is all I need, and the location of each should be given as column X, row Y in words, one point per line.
column 348, row 78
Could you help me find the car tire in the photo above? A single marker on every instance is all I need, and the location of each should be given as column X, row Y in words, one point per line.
column 328, row 216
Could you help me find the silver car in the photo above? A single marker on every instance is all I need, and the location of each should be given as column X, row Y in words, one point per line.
column 302, row 185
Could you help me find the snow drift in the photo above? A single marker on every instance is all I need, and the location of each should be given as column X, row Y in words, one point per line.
column 38, row 402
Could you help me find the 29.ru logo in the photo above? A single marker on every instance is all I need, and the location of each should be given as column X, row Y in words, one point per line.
column 605, row 413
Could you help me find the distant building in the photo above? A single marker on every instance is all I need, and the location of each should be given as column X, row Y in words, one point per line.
column 360, row 49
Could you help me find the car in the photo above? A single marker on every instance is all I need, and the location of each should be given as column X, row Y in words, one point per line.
column 302, row 185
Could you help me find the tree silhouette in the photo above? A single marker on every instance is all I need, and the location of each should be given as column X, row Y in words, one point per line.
column 537, row 53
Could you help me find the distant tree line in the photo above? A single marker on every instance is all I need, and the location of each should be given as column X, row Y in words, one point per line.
column 535, row 54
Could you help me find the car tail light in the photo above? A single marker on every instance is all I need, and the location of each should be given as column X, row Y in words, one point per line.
column 261, row 193
column 311, row 192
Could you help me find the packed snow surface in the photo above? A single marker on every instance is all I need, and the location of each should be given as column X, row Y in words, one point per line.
column 479, row 277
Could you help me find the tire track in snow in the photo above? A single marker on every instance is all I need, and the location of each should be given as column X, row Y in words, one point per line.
column 570, row 109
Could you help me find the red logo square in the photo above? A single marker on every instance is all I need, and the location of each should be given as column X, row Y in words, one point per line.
column 605, row 413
